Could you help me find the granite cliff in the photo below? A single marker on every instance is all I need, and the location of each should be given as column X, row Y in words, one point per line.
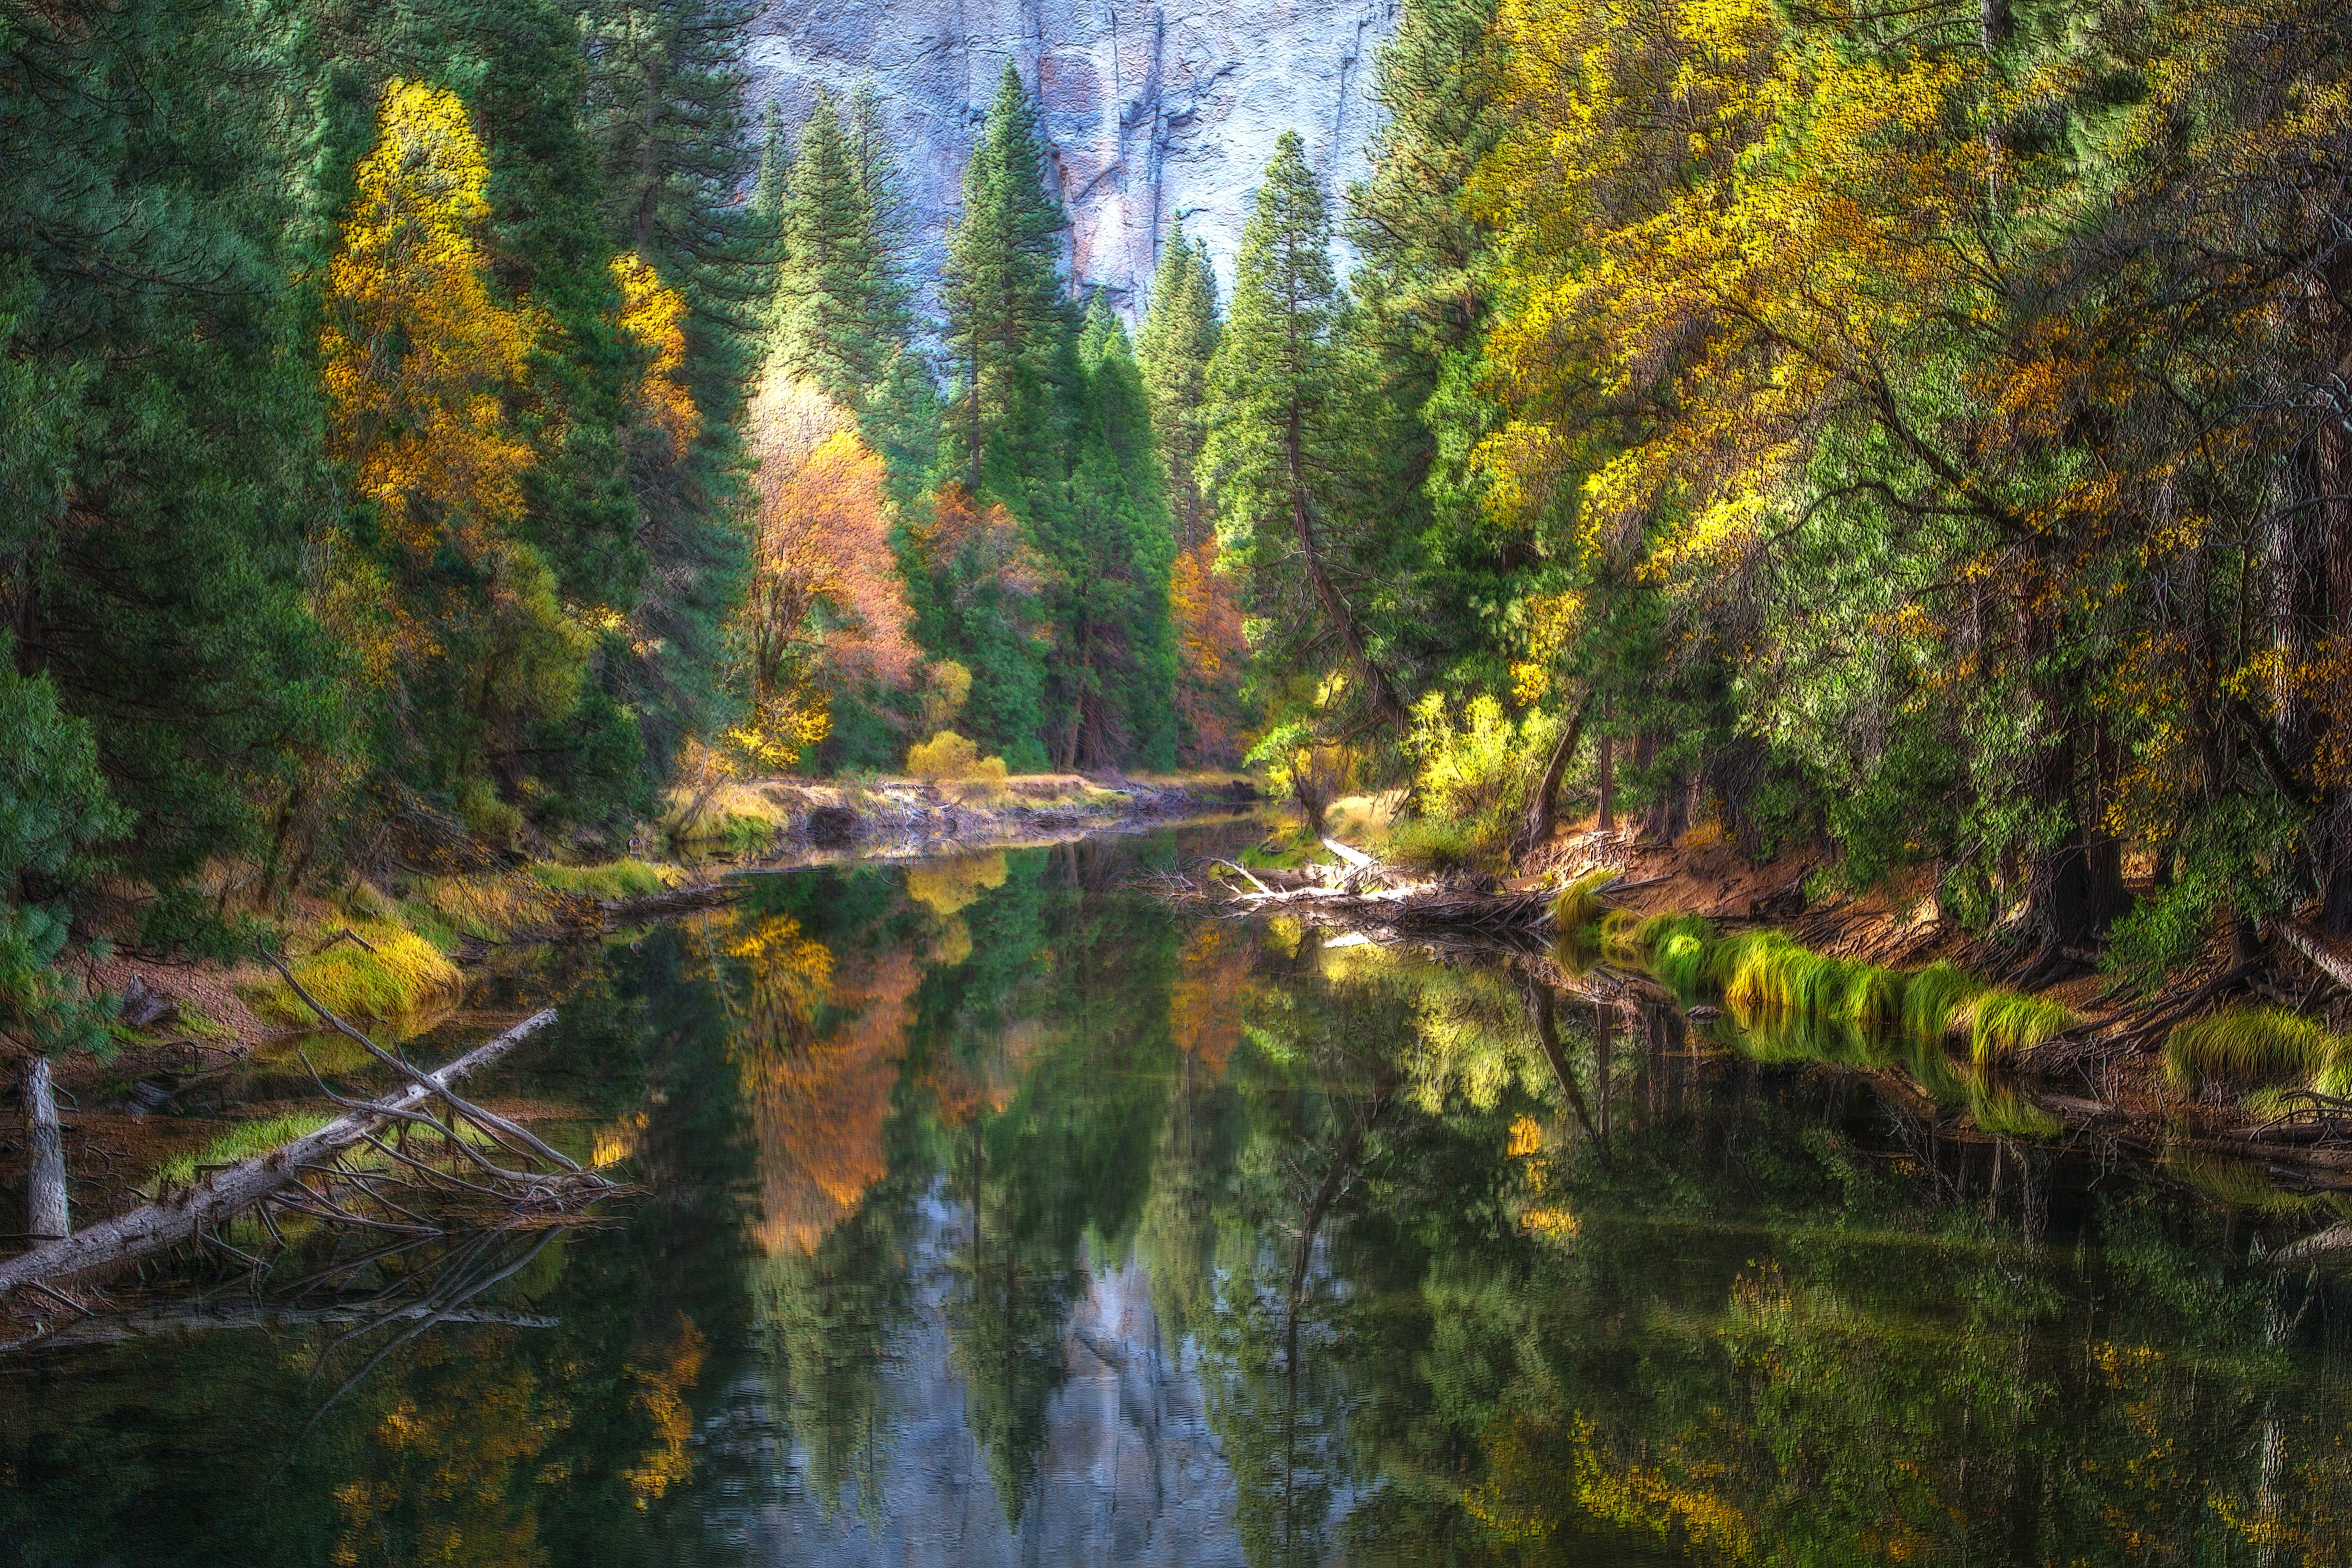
column 1152, row 112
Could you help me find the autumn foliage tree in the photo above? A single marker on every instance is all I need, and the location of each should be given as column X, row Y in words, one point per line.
column 418, row 357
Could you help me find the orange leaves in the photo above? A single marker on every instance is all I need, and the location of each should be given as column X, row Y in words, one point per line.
column 654, row 316
column 825, row 602
column 1211, row 652
column 417, row 353
column 989, row 537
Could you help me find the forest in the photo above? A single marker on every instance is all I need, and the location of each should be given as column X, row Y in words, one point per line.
column 1911, row 435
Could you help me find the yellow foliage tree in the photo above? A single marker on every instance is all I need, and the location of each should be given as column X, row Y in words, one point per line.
column 416, row 352
column 654, row 315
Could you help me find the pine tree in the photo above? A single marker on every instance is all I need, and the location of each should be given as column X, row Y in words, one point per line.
column 1007, row 318
column 1108, row 539
column 888, row 213
column 1285, row 434
column 1178, row 340
column 159, row 470
column 830, row 324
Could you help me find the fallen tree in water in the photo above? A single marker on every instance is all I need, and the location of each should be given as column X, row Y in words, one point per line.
column 1360, row 893
column 440, row 1142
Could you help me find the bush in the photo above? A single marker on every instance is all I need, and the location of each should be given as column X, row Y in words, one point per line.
column 947, row 755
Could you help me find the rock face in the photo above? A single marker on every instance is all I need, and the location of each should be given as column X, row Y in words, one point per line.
column 1153, row 113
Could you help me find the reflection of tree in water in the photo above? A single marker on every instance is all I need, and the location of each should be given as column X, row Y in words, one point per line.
column 1315, row 1079
column 1051, row 1077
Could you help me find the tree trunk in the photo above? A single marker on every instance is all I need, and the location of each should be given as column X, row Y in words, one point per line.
column 1607, row 820
column 47, row 1214
column 159, row 1225
column 1386, row 706
column 1535, row 830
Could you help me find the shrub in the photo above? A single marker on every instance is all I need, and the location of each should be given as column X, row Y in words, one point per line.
column 488, row 817
column 1429, row 844
column 947, row 755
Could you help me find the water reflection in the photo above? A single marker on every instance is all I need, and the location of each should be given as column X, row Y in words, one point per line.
column 996, row 1214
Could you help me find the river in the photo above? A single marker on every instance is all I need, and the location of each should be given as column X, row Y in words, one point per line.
column 988, row 1211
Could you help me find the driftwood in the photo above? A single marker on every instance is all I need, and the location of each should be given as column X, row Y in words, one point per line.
column 182, row 1215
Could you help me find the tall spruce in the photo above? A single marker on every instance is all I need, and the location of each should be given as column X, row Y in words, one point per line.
column 1008, row 319
column 1178, row 340
column 1286, row 440
column 830, row 320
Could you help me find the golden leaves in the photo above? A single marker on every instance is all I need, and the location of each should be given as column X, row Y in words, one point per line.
column 654, row 315
column 416, row 352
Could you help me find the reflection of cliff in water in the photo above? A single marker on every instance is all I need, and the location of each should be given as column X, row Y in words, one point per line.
column 1129, row 1471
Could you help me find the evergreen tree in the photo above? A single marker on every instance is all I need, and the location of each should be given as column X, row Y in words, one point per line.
column 1287, row 438
column 1114, row 669
column 829, row 322
column 1178, row 340
column 159, row 472
column 888, row 213
column 1008, row 320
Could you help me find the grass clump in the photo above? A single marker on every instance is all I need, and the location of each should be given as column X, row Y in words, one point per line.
column 612, row 880
column 1933, row 995
column 487, row 907
column 241, row 1142
column 402, row 974
column 2254, row 1045
column 1674, row 947
column 1440, row 844
column 1766, row 970
column 1578, row 905
column 2004, row 1025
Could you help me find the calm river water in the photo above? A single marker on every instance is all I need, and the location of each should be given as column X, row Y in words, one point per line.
column 991, row 1213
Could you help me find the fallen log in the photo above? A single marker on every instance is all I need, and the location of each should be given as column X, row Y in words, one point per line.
column 170, row 1220
column 2324, row 956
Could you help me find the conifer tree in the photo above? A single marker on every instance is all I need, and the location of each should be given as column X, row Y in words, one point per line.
column 1178, row 338
column 888, row 213
column 1008, row 320
column 830, row 320
column 1114, row 672
column 1282, row 436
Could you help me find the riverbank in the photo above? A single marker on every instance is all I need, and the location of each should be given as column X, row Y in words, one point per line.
column 397, row 952
column 2244, row 1053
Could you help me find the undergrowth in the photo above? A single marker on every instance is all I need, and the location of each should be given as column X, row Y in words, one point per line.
column 402, row 974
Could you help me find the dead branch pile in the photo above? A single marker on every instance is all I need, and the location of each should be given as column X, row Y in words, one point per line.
column 1361, row 894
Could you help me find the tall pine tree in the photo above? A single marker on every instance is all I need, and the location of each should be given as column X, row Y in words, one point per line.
column 1179, row 337
column 1008, row 315
column 831, row 320
column 1288, row 440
